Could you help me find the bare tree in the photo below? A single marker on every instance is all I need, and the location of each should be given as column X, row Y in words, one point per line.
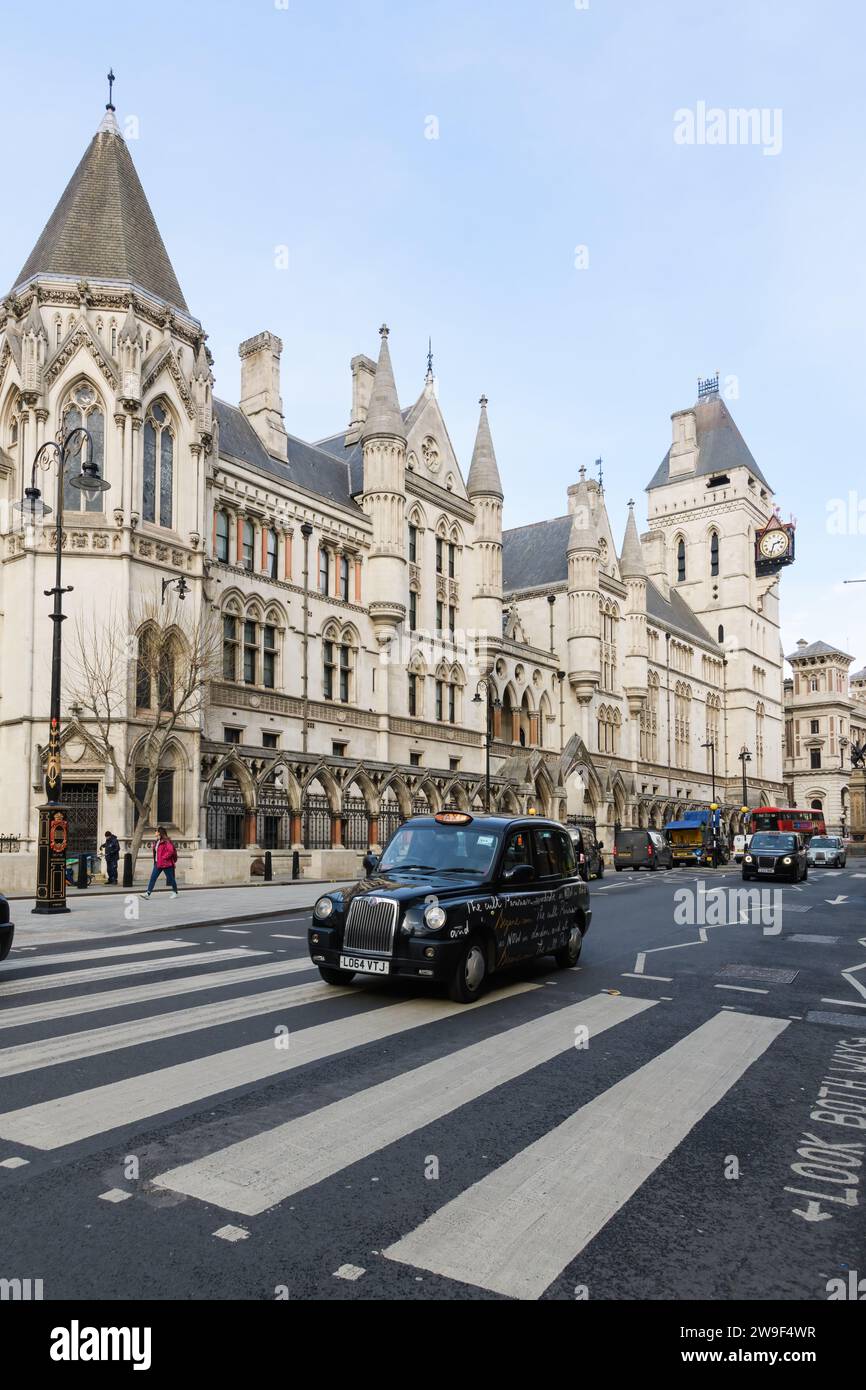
column 141, row 683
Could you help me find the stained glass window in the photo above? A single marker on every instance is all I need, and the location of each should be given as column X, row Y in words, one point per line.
column 94, row 421
column 166, row 478
column 148, row 498
column 157, row 492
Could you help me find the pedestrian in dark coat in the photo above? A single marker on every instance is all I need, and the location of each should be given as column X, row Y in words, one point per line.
column 111, row 847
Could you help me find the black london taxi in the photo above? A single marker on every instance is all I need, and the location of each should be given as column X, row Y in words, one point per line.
column 453, row 898
column 775, row 854
column 7, row 930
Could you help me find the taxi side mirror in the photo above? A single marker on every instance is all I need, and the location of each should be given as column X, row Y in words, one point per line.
column 519, row 873
column 370, row 863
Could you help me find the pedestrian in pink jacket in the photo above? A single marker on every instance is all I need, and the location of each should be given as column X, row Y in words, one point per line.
column 164, row 860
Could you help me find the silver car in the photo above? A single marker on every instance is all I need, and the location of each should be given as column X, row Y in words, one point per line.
column 826, row 852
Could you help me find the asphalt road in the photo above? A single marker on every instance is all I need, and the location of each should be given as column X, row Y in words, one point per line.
column 194, row 1115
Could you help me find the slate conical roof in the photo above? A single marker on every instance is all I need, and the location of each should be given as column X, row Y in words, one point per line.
column 383, row 415
column 484, row 479
column 631, row 561
column 583, row 535
column 103, row 228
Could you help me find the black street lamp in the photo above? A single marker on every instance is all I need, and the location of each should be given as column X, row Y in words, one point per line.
column 712, row 747
column 493, row 702
column 182, row 586
column 745, row 757
column 53, row 822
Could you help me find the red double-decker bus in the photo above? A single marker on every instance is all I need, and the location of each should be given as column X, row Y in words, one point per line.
column 803, row 820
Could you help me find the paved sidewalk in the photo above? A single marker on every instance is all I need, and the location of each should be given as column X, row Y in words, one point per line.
column 126, row 914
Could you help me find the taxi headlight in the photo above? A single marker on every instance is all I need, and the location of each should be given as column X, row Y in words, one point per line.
column 324, row 907
column 787, row 860
column 435, row 917
column 748, row 858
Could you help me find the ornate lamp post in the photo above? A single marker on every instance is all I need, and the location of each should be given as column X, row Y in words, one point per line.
column 493, row 702
column 53, row 822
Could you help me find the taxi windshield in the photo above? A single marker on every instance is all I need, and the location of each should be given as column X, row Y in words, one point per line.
column 782, row 844
column 459, row 848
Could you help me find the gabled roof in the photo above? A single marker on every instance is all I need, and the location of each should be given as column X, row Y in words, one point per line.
column 674, row 612
column 536, row 555
column 103, row 228
column 817, row 649
column 308, row 466
column 721, row 447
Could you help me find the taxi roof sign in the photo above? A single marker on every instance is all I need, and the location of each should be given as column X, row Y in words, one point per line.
column 453, row 818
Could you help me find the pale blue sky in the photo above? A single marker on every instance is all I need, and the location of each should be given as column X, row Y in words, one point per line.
column 305, row 126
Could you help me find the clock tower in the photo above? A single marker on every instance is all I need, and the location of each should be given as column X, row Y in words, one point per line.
column 714, row 507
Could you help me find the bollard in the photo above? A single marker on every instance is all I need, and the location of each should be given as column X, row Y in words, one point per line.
column 82, row 871
column 296, row 864
column 269, row 866
column 127, row 870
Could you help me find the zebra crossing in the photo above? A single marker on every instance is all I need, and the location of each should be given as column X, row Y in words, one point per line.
column 512, row 1232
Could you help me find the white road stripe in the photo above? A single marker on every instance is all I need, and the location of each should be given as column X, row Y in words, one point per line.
column 517, row 1229
column 635, row 975
column 51, row 1052
column 743, row 989
column 143, row 994
column 110, row 972
column 127, row 948
column 849, row 1003
column 53, row 1123
column 257, row 1173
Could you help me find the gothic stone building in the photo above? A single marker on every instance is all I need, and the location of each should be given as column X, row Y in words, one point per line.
column 373, row 614
column 825, row 716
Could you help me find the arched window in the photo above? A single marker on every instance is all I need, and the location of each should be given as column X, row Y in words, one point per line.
column 157, row 498
column 273, row 552
column 337, row 665
column 721, row 635
column 84, row 409
column 714, row 553
column 681, row 560
column 230, row 646
column 144, row 670
column 222, row 536
column 344, row 578
column 248, row 545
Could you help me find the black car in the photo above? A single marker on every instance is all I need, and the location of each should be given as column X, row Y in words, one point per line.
column 454, row 898
column 775, row 854
column 7, row 930
column 589, row 851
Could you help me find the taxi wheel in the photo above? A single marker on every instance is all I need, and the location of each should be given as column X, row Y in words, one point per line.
column 332, row 976
column 465, row 984
column 568, row 957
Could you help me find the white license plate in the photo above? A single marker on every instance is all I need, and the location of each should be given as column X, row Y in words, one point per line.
column 766, row 871
column 365, row 966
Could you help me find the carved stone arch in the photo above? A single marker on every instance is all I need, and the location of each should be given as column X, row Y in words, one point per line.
column 165, row 362
column 275, row 616
column 508, row 801
column 442, row 527
column 359, row 777
column 429, row 789
column 322, row 774
column 417, row 516
column 544, row 789
column 455, row 792
column 80, row 338
column 417, row 664
column 240, row 773
column 289, row 782
column 401, row 791
column 233, row 600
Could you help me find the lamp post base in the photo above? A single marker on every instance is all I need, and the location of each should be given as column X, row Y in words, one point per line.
column 51, row 860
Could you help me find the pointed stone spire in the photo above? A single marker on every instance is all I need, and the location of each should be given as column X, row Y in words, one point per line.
column 131, row 330
column 33, row 323
column 484, row 479
column 201, row 370
column 103, row 228
column 383, row 416
column 631, row 561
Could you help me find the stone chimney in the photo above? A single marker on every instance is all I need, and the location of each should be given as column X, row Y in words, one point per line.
column 655, row 560
column 363, row 376
column 260, row 391
column 684, row 449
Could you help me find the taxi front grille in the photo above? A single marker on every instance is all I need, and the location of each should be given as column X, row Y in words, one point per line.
column 371, row 926
column 766, row 861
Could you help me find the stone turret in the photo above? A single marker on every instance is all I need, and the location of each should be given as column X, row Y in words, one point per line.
column 634, row 576
column 484, row 489
column 383, row 440
column 584, row 638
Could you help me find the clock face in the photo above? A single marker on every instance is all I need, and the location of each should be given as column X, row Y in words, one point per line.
column 774, row 545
